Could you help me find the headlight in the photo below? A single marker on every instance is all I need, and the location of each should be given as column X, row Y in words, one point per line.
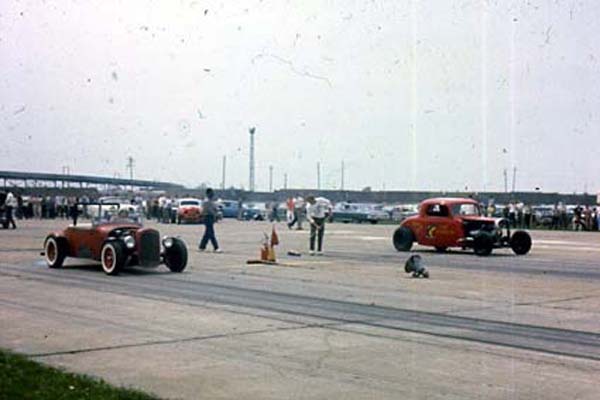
column 168, row 242
column 129, row 241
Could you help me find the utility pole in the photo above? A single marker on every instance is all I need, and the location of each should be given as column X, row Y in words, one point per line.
column 285, row 181
column 318, row 176
column 342, row 185
column 505, row 180
column 224, row 171
column 130, row 164
column 65, row 171
column 514, row 182
column 270, row 178
column 252, row 130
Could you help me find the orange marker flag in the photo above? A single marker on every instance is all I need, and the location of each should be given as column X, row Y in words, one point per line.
column 274, row 237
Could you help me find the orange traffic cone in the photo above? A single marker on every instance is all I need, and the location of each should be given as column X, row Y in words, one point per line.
column 274, row 237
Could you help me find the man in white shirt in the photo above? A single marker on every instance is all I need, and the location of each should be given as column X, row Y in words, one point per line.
column 316, row 212
column 9, row 205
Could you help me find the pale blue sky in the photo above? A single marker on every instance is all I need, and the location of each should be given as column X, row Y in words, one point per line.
column 411, row 94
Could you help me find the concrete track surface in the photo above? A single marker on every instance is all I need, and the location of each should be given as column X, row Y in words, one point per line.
column 349, row 324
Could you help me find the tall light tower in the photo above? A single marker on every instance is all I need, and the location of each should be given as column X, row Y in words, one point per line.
column 318, row 176
column 130, row 165
column 251, row 183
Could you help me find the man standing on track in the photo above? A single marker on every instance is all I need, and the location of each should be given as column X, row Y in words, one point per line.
column 315, row 214
column 209, row 210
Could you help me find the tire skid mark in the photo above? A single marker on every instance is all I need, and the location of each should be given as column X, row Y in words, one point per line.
column 578, row 344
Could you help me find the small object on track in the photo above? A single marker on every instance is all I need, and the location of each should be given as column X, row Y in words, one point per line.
column 415, row 265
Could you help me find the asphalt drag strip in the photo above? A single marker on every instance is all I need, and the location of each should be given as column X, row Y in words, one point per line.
column 564, row 342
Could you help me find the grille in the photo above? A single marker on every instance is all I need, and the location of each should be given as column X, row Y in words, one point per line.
column 149, row 250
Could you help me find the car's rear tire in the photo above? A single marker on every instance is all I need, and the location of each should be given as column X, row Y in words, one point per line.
column 55, row 251
column 403, row 239
column 483, row 245
column 112, row 257
column 176, row 256
column 520, row 243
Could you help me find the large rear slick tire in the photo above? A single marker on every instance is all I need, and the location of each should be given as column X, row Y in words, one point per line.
column 112, row 257
column 520, row 243
column 483, row 245
column 403, row 239
column 176, row 256
column 55, row 251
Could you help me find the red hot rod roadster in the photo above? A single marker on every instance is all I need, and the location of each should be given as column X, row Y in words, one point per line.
column 116, row 241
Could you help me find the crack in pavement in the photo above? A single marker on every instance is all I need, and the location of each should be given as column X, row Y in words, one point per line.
column 182, row 340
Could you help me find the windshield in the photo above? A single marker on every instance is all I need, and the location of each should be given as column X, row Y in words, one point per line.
column 190, row 203
column 468, row 209
column 104, row 214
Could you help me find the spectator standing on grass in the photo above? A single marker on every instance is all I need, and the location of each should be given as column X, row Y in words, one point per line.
column 316, row 212
column 10, row 203
column 209, row 210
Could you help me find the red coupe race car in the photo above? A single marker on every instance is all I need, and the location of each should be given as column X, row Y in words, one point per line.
column 457, row 222
column 116, row 241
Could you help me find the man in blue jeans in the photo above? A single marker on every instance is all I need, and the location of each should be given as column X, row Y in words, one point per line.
column 209, row 211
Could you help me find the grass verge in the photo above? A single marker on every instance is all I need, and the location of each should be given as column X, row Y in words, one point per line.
column 21, row 378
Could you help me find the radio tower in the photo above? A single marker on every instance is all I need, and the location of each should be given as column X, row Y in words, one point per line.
column 252, row 130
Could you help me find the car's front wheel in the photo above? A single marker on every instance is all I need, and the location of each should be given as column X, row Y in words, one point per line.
column 112, row 257
column 403, row 239
column 176, row 256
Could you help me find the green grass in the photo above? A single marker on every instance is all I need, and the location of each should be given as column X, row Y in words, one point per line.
column 23, row 379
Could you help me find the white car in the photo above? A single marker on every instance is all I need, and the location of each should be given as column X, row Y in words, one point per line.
column 188, row 210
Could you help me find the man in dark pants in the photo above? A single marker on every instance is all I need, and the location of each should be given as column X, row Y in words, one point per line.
column 315, row 214
column 209, row 211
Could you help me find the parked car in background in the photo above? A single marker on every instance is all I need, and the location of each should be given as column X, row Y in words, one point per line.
column 254, row 212
column 229, row 208
column 542, row 216
column 402, row 211
column 189, row 210
column 359, row 212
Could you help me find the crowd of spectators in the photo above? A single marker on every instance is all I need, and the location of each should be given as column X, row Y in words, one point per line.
column 558, row 217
